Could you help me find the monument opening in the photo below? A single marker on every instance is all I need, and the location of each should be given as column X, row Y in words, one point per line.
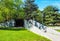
column 19, row 23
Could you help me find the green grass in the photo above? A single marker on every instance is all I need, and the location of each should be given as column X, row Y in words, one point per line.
column 58, row 30
column 20, row 35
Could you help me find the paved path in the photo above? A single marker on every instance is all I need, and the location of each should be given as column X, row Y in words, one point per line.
column 50, row 34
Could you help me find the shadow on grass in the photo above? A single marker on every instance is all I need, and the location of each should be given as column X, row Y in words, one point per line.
column 12, row 28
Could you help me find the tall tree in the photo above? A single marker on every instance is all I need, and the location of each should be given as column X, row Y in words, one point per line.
column 11, row 9
column 30, row 8
column 50, row 12
column 39, row 16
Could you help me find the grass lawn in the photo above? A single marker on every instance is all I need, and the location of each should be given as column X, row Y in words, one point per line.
column 58, row 30
column 20, row 35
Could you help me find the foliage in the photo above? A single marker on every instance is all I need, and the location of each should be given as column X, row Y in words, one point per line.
column 39, row 16
column 58, row 30
column 30, row 8
column 49, row 14
column 11, row 9
column 16, row 9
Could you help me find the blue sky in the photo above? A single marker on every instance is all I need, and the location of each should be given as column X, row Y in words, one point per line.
column 43, row 3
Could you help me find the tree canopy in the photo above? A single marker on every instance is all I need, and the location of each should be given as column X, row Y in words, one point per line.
column 11, row 9
column 50, row 14
column 30, row 8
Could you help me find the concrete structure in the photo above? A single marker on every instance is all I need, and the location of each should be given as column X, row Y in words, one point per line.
column 13, row 23
column 51, row 34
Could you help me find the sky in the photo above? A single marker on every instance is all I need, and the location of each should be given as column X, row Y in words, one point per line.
column 44, row 3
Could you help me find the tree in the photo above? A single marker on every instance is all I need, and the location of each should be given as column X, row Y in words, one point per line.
column 19, row 10
column 11, row 9
column 50, row 12
column 1, row 17
column 39, row 16
column 30, row 9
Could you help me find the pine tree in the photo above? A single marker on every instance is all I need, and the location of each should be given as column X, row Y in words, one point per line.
column 30, row 8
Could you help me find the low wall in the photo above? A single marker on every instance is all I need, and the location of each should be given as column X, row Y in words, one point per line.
column 9, row 23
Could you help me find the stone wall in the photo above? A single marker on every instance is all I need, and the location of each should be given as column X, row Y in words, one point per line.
column 9, row 23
